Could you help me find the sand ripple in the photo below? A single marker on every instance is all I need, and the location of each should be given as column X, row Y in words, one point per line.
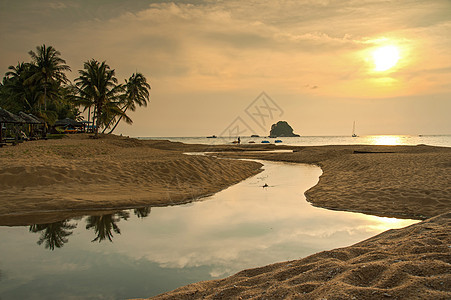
column 113, row 172
column 408, row 263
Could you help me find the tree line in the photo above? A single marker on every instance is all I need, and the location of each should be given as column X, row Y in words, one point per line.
column 42, row 88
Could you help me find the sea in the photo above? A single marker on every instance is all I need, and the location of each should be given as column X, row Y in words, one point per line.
column 431, row 140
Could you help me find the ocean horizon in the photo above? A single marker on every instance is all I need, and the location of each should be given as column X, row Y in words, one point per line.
column 389, row 140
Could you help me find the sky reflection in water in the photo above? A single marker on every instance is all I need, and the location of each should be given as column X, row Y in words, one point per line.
column 143, row 252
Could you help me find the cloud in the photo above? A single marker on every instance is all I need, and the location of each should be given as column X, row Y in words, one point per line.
column 208, row 49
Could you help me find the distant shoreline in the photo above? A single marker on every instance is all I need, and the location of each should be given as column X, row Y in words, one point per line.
column 390, row 140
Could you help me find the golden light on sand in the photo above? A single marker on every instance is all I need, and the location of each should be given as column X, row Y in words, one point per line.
column 385, row 58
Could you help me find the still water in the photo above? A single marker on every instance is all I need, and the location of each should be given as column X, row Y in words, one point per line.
column 144, row 252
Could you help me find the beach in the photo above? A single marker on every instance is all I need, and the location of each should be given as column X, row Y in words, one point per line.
column 390, row 181
column 62, row 177
column 54, row 179
column 408, row 263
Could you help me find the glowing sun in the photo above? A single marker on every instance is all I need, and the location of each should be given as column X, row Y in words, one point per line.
column 385, row 58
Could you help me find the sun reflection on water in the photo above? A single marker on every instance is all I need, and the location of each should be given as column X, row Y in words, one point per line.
column 383, row 223
column 390, row 140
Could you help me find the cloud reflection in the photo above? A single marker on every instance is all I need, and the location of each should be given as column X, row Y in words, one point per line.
column 248, row 226
column 241, row 227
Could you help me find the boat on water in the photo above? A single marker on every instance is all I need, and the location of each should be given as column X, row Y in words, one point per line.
column 211, row 137
column 353, row 130
column 265, row 142
column 278, row 141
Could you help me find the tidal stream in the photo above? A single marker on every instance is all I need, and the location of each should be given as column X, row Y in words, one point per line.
column 147, row 251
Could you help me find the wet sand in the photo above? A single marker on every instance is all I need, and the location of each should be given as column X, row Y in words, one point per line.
column 62, row 177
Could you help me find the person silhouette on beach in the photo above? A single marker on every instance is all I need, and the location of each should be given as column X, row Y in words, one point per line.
column 239, row 140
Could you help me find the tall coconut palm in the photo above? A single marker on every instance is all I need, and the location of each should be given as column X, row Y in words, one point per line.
column 18, row 71
column 49, row 68
column 17, row 95
column 136, row 93
column 97, row 86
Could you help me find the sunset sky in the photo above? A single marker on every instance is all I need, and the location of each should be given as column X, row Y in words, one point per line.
column 384, row 64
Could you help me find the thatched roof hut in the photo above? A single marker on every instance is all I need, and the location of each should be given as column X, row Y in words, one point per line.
column 7, row 117
column 41, row 121
column 68, row 122
column 28, row 119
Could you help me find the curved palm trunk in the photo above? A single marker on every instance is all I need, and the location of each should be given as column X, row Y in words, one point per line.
column 111, row 120
column 115, row 125
column 93, row 119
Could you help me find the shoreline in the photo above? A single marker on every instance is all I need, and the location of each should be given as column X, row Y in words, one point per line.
column 408, row 263
column 141, row 171
column 387, row 181
column 78, row 175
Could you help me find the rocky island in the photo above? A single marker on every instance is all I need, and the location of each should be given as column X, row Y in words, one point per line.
column 282, row 129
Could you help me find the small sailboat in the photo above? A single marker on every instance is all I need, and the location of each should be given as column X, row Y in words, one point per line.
column 353, row 131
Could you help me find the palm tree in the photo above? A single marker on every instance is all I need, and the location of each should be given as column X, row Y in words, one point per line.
column 49, row 68
column 18, row 95
column 136, row 93
column 97, row 86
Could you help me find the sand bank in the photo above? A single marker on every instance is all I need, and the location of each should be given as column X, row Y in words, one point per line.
column 393, row 181
column 390, row 181
column 79, row 173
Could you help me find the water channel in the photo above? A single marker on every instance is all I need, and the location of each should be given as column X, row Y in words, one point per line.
column 147, row 251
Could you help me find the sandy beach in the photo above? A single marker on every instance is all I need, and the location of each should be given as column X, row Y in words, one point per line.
column 408, row 263
column 55, row 179
column 61, row 177
column 390, row 181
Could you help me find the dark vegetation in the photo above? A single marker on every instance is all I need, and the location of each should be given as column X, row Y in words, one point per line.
column 41, row 87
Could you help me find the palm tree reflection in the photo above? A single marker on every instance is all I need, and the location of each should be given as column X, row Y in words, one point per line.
column 142, row 212
column 53, row 234
column 105, row 225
